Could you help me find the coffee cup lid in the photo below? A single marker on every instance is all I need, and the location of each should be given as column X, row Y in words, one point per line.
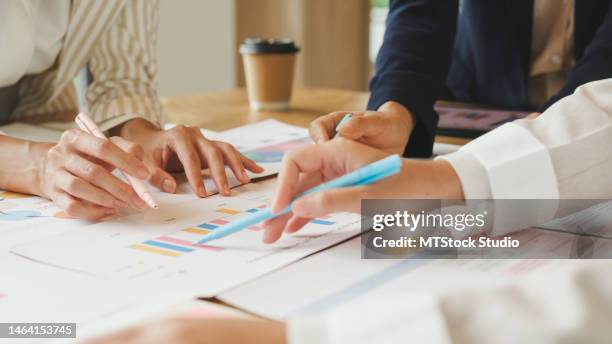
column 268, row 46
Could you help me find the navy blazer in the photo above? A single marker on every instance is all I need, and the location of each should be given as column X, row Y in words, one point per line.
column 478, row 54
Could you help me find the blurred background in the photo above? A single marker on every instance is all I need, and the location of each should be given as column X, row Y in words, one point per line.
column 199, row 39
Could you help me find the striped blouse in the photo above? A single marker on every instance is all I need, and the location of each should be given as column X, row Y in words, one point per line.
column 116, row 40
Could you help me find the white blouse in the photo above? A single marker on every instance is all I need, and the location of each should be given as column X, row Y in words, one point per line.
column 565, row 153
column 31, row 36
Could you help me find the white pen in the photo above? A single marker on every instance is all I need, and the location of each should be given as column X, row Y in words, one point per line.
column 88, row 125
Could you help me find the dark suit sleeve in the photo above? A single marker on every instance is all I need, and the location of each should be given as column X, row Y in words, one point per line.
column 413, row 62
column 595, row 63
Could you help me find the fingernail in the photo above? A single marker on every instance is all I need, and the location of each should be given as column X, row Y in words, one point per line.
column 168, row 185
column 120, row 204
column 110, row 212
column 267, row 237
column 138, row 202
column 227, row 189
column 143, row 173
column 201, row 191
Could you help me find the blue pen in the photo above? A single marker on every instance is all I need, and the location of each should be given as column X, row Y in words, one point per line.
column 343, row 121
column 366, row 175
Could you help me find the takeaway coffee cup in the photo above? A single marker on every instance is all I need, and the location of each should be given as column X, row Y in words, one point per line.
column 268, row 67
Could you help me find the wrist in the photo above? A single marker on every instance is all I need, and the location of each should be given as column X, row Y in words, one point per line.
column 445, row 180
column 429, row 180
column 135, row 129
column 37, row 151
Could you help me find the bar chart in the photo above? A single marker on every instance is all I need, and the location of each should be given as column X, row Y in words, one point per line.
column 275, row 152
column 185, row 241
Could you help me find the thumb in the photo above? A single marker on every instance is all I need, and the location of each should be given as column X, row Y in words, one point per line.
column 162, row 180
column 329, row 201
column 363, row 127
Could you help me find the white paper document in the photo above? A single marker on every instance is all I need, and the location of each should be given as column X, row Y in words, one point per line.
column 346, row 277
column 24, row 218
column 33, row 292
column 158, row 249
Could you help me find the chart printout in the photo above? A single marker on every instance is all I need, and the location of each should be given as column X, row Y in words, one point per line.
column 159, row 248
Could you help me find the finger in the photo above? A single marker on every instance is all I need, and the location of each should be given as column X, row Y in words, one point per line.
column 83, row 190
column 251, row 165
column 330, row 201
column 128, row 146
column 159, row 177
column 324, row 128
column 162, row 180
column 103, row 179
column 190, row 159
column 363, row 127
column 216, row 164
column 306, row 160
column 81, row 210
column 104, row 150
column 232, row 158
column 274, row 228
column 296, row 223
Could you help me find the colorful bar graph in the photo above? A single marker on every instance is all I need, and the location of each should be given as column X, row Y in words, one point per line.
column 185, row 241
column 207, row 226
column 220, row 222
column 168, row 246
column 155, row 250
column 228, row 211
column 196, row 231
column 188, row 243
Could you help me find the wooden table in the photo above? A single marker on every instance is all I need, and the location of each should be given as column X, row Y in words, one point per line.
column 224, row 110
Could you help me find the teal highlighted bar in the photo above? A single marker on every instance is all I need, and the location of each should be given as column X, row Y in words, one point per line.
column 168, row 246
column 322, row 222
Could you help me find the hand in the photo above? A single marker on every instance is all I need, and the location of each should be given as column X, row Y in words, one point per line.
column 186, row 149
column 200, row 331
column 387, row 129
column 76, row 174
column 316, row 164
column 533, row 115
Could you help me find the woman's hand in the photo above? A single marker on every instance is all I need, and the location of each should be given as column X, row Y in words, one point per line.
column 76, row 174
column 186, row 149
column 387, row 129
column 311, row 166
column 200, row 331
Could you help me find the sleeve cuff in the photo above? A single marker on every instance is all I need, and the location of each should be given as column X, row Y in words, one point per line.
column 517, row 164
column 118, row 111
column 472, row 174
column 400, row 318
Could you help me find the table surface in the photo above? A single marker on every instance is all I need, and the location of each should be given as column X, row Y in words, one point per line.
column 228, row 109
